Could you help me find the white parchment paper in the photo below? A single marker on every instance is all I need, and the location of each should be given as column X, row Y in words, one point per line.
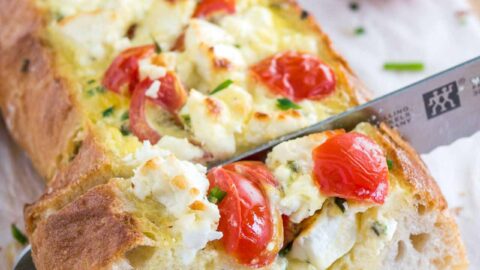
column 430, row 31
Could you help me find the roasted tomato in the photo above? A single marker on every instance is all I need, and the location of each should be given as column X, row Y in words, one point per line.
column 254, row 170
column 123, row 72
column 207, row 8
column 250, row 230
column 296, row 76
column 351, row 166
column 171, row 95
column 138, row 120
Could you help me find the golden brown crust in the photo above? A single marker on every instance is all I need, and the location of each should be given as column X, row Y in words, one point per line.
column 37, row 107
column 410, row 165
column 91, row 233
column 90, row 167
column 427, row 194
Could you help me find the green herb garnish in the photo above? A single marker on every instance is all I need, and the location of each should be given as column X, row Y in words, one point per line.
column 18, row 235
column 186, row 120
column 216, row 195
column 293, row 166
column 221, row 86
column 108, row 112
column 340, row 203
column 90, row 92
column 359, row 31
column 125, row 130
column 58, row 16
column 125, row 116
column 304, row 15
column 390, row 164
column 92, row 81
column 354, row 6
column 285, row 250
column 100, row 89
column 403, row 66
column 158, row 48
column 379, row 228
column 286, row 104
column 25, row 66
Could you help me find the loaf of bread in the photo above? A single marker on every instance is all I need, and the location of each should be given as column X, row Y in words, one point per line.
column 118, row 103
column 131, row 223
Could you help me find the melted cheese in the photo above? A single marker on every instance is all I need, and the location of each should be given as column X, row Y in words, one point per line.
column 328, row 237
column 93, row 32
column 210, row 123
column 291, row 163
column 181, row 187
column 213, row 54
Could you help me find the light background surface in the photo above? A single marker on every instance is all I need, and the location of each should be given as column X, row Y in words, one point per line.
column 429, row 31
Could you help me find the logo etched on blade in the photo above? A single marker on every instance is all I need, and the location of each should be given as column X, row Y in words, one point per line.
column 441, row 100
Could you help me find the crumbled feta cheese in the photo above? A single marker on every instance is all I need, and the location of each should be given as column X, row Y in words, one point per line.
column 212, row 52
column 268, row 124
column 181, row 148
column 148, row 70
column 181, row 187
column 328, row 237
column 292, row 164
column 254, row 29
column 95, row 34
column 211, row 123
column 146, row 152
column 152, row 91
column 239, row 103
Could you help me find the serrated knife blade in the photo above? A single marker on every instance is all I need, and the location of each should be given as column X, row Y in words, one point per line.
column 432, row 112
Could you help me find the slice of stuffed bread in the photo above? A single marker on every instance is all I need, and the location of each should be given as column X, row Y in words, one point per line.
column 333, row 200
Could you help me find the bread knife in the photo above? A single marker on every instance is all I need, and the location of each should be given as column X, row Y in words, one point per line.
column 430, row 113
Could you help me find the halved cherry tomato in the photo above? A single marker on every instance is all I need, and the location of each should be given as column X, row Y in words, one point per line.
column 207, row 8
column 351, row 166
column 123, row 72
column 246, row 219
column 254, row 170
column 138, row 120
column 296, row 76
column 171, row 95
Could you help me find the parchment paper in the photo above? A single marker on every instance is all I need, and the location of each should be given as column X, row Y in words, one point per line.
column 429, row 31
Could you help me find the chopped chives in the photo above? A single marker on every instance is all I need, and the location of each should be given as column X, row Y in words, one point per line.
column 18, row 235
column 108, row 112
column 403, row 66
column 359, row 31
column 286, row 104
column 221, row 86
column 216, row 195
column 390, row 164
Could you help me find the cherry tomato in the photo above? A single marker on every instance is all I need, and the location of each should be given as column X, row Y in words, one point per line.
column 296, row 76
column 351, row 166
column 171, row 95
column 246, row 219
column 254, row 170
column 123, row 72
column 138, row 120
column 207, row 8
